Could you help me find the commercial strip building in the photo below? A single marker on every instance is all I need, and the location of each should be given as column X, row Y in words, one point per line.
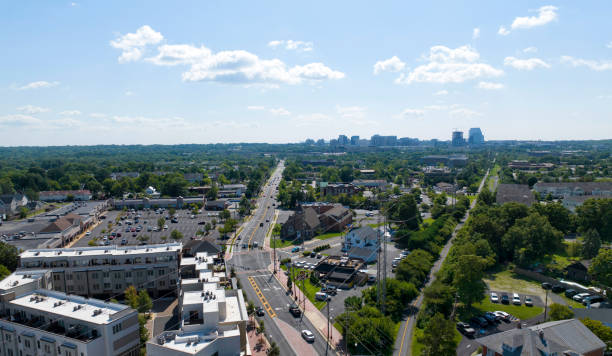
column 563, row 337
column 108, row 270
column 340, row 271
column 37, row 321
column 64, row 195
column 146, row 203
column 212, row 319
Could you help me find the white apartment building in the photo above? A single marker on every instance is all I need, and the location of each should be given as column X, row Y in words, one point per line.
column 212, row 320
column 38, row 321
column 362, row 243
column 108, row 270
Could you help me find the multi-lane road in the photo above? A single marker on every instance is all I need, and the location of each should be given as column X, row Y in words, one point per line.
column 251, row 266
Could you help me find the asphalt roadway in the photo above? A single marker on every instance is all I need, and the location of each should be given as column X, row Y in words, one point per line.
column 262, row 288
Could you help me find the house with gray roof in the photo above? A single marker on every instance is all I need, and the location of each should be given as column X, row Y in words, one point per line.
column 10, row 203
column 360, row 239
column 563, row 337
column 518, row 193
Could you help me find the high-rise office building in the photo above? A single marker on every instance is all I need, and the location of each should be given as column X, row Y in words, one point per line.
column 343, row 140
column 476, row 136
column 457, row 138
column 354, row 140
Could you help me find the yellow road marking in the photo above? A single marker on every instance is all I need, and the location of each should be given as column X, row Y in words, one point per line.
column 405, row 329
column 261, row 297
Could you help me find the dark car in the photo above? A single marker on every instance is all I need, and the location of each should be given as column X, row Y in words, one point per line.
column 592, row 299
column 295, row 311
column 479, row 322
column 124, row 242
column 557, row 288
column 570, row 293
column 313, row 254
column 546, row 285
column 201, row 222
column 259, row 311
column 490, row 317
column 118, row 234
column 465, row 329
column 505, row 299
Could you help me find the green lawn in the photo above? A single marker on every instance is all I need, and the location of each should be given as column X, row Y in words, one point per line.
column 328, row 235
column 309, row 289
column 520, row 311
column 494, row 172
column 374, row 226
column 282, row 243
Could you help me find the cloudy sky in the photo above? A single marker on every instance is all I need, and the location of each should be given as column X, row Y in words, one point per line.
column 117, row 72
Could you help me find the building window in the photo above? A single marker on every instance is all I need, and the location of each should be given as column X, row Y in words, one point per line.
column 118, row 286
column 139, row 274
column 47, row 349
column 68, row 277
column 8, row 337
column 117, row 275
column 96, row 286
column 128, row 274
column 160, row 272
column 38, row 343
column 94, row 275
column 105, row 274
column 116, row 328
column 107, row 285
column 150, row 273
column 27, row 343
column 162, row 283
column 56, row 277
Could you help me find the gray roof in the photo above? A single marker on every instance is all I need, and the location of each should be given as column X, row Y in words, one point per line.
column 586, row 186
column 554, row 336
column 360, row 252
column 518, row 193
column 337, row 211
column 365, row 233
column 603, row 315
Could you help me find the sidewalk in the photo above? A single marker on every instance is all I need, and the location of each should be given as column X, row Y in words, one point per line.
column 311, row 312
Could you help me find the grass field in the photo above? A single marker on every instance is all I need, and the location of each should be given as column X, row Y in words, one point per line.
column 309, row 289
column 520, row 311
column 282, row 243
column 328, row 235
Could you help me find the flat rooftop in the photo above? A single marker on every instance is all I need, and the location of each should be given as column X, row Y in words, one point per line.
column 56, row 303
column 112, row 250
column 194, row 342
column 20, row 278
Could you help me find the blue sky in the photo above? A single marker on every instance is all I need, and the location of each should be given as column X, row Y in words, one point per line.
column 116, row 72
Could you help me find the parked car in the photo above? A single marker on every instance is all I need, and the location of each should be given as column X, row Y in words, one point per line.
column 502, row 315
column 295, row 249
column 322, row 296
column 295, row 311
column 505, row 299
column 466, row 329
column 201, row 222
column 546, row 285
column 308, row 335
column 580, row 297
column 124, row 242
column 329, row 290
column 88, row 233
column 494, row 297
column 490, row 317
column 570, row 293
column 528, row 301
column 592, row 299
column 259, row 311
column 557, row 288
column 313, row 254
column 319, row 255
column 516, row 300
column 479, row 322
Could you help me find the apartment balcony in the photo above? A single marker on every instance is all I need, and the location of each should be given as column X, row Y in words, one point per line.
column 80, row 332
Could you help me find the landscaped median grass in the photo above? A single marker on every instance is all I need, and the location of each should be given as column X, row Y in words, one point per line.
column 308, row 288
column 283, row 243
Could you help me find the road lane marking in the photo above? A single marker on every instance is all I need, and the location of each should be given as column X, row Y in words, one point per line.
column 262, row 298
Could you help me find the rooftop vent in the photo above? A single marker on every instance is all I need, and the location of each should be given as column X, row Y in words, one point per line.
column 36, row 253
column 97, row 312
column 15, row 283
column 76, row 307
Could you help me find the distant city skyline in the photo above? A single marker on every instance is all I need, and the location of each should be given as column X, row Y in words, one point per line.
column 85, row 72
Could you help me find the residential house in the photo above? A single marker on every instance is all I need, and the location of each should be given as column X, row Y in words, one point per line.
column 302, row 224
column 363, row 238
column 63, row 195
column 334, row 189
column 578, row 271
column 152, row 192
column 10, row 203
column 563, row 337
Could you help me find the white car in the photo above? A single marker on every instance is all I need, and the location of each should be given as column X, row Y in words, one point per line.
column 88, row 233
column 502, row 314
column 516, row 300
column 494, row 297
column 165, row 227
column 580, row 297
column 308, row 335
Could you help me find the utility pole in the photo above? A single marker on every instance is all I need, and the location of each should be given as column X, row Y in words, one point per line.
column 546, row 305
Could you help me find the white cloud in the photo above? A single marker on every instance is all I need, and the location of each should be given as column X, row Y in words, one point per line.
column 236, row 66
column 476, row 33
column 441, row 92
column 592, row 64
column 530, row 49
column 446, row 65
column 38, row 85
column 464, row 113
column 609, row 45
column 97, row 115
column 74, row 4
column 503, row 31
column 279, row 111
column 351, row 112
column 412, row 113
column 129, row 93
column 19, row 119
column 490, row 86
column 292, row 45
column 604, row 97
column 133, row 44
column 546, row 14
column 155, row 122
column 70, row 112
column 435, row 107
column 31, row 109
column 255, row 107
column 525, row 64
column 393, row 64
column 314, row 119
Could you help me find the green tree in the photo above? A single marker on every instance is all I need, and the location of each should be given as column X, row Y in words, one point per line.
column 591, row 244
column 207, row 227
column 225, row 214
column 559, row 312
column 4, row 272
column 176, row 235
column 160, row 223
column 530, row 239
column 23, row 212
column 486, row 197
column 352, row 303
column 406, row 212
column 601, row 267
column 415, row 267
column 439, row 337
column 171, row 212
column 142, row 329
column 250, row 308
column 131, row 296
column 274, row 350
column 9, row 256
column 144, row 301
column 603, row 332
column 469, row 271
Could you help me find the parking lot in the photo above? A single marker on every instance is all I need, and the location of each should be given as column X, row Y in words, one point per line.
column 148, row 222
